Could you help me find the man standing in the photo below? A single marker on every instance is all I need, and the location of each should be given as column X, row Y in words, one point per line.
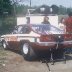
column 68, row 23
column 46, row 20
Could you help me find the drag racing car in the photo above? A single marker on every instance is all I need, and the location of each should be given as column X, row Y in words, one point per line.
column 30, row 39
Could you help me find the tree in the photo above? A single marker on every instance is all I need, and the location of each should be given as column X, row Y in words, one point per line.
column 62, row 10
column 69, row 10
column 6, row 10
column 55, row 9
column 5, row 7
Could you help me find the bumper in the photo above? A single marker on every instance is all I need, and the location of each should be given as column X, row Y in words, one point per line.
column 54, row 43
column 67, row 42
column 48, row 45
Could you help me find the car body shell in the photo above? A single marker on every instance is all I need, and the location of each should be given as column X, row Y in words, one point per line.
column 36, row 40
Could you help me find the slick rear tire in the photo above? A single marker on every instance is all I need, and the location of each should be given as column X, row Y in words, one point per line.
column 28, row 52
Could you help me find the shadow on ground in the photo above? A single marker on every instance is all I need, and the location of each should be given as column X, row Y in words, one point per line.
column 46, row 56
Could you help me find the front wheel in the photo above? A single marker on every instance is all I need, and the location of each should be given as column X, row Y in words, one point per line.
column 4, row 45
column 28, row 52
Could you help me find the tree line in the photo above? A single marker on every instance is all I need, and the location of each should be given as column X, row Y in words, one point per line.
column 22, row 9
column 10, row 9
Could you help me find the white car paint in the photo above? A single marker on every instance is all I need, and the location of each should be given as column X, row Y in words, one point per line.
column 18, row 37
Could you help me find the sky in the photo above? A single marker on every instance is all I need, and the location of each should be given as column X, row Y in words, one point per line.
column 66, row 3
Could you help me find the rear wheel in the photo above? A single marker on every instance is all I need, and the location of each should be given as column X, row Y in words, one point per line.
column 28, row 52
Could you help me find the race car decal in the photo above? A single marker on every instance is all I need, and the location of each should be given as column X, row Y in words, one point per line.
column 11, row 38
column 18, row 37
column 26, row 38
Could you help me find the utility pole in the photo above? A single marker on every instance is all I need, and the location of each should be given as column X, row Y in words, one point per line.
column 14, row 8
column 2, row 13
column 30, row 3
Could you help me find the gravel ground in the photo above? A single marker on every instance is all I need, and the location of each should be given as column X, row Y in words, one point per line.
column 14, row 62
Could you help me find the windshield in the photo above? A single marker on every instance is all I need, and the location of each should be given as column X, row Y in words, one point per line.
column 46, row 29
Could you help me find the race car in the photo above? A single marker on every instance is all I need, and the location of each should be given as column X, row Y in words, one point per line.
column 31, row 38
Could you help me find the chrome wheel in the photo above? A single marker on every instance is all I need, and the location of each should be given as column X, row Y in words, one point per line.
column 25, row 48
column 28, row 52
column 4, row 45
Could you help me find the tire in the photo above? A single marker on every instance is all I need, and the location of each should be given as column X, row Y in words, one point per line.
column 4, row 45
column 28, row 52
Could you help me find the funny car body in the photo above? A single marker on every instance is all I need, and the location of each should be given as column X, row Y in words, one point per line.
column 31, row 38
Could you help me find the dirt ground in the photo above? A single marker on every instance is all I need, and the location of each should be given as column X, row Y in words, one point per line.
column 13, row 62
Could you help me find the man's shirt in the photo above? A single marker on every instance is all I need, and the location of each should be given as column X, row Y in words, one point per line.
column 68, row 23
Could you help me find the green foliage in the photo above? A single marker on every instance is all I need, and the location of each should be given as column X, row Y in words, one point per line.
column 10, row 8
column 69, row 10
column 62, row 10
column 7, row 20
column 7, row 24
column 5, row 7
column 21, row 9
column 55, row 9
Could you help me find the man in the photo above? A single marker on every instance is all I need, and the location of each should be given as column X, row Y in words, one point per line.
column 68, row 23
column 46, row 20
